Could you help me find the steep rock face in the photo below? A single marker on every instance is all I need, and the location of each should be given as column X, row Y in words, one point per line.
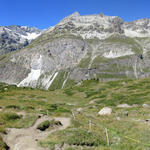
column 90, row 26
column 138, row 28
column 43, row 62
column 80, row 48
column 16, row 37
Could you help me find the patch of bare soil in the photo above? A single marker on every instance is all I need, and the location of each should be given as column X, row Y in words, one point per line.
column 27, row 138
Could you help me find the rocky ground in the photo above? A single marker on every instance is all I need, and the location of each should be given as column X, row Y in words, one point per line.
column 27, row 138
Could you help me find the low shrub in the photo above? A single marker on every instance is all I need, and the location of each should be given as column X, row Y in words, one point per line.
column 69, row 92
column 44, row 125
column 81, row 137
column 10, row 116
column 13, row 107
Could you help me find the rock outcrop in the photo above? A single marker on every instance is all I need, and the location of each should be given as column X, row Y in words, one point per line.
column 16, row 37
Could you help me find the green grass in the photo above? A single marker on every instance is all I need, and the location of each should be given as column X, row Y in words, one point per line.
column 125, row 40
column 123, row 133
column 84, row 63
column 50, row 37
column 76, row 137
column 58, row 82
column 114, row 65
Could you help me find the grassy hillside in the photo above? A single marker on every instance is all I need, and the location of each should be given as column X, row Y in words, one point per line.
column 127, row 128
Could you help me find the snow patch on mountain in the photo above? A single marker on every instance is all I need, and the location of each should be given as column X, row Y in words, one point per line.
column 115, row 54
column 33, row 76
column 31, row 79
column 31, row 36
column 16, row 37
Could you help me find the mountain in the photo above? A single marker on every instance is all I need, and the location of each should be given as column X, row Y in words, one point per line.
column 16, row 37
column 80, row 48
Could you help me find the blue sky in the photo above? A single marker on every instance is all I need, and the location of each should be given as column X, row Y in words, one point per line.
column 45, row 13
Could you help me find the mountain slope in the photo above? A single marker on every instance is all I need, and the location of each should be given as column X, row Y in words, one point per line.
column 16, row 37
column 80, row 48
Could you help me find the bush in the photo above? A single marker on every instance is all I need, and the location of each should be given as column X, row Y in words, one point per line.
column 52, row 107
column 11, row 116
column 44, row 125
column 81, row 137
column 57, row 108
column 69, row 92
column 13, row 107
column 91, row 93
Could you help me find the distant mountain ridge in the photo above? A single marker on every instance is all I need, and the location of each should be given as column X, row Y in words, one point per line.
column 80, row 48
column 16, row 37
column 101, row 26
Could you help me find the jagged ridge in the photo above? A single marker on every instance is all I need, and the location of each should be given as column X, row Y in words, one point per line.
column 16, row 37
column 80, row 48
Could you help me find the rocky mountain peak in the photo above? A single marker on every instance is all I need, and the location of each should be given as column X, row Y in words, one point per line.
column 15, row 37
column 75, row 14
column 77, row 48
column 90, row 26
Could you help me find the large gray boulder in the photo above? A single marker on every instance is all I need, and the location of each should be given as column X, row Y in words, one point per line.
column 105, row 111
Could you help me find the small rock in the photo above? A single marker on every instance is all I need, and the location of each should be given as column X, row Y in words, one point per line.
column 124, row 106
column 79, row 83
column 22, row 113
column 94, row 106
column 118, row 118
column 135, row 105
column 92, row 102
column 1, row 108
column 45, row 100
column 79, row 110
column 147, row 120
column 145, row 106
column 70, row 104
column 5, row 89
column 126, row 113
column 123, row 83
column 105, row 111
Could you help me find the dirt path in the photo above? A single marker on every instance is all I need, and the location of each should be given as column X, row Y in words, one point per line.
column 27, row 138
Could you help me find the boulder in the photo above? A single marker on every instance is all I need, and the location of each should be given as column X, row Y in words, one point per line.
column 126, row 113
column 92, row 102
column 79, row 110
column 5, row 89
column 105, row 111
column 145, row 106
column 124, row 106
column 118, row 118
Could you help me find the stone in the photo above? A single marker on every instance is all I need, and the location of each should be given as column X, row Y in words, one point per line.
column 5, row 89
column 145, row 106
column 92, row 102
column 79, row 110
column 105, row 111
column 126, row 113
column 135, row 105
column 118, row 118
column 124, row 106
column 123, row 83
column 147, row 120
